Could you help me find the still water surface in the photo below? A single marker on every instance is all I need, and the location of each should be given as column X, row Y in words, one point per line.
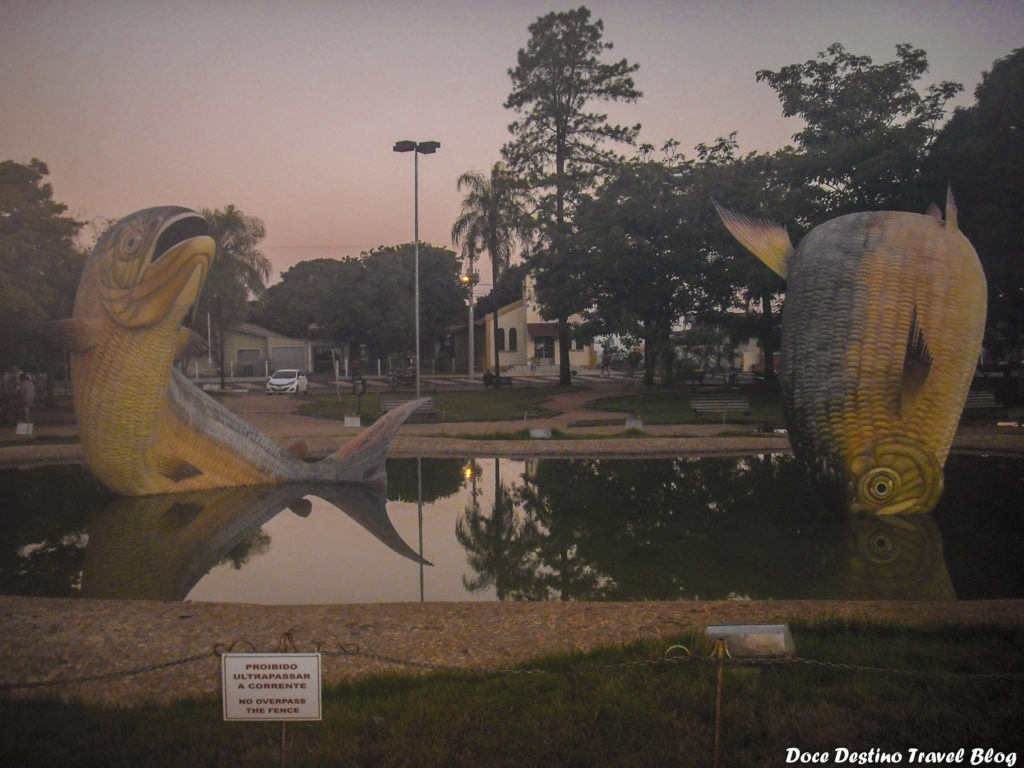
column 707, row 528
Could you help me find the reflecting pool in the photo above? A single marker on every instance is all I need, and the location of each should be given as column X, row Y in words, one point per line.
column 487, row 529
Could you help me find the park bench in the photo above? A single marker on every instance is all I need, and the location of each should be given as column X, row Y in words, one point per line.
column 390, row 402
column 720, row 404
column 504, row 381
column 981, row 403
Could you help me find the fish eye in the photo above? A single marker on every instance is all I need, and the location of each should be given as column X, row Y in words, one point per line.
column 131, row 241
column 880, row 485
column 880, row 543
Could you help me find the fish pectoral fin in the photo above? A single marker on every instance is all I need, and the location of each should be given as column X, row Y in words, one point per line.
column 766, row 240
column 917, row 363
column 188, row 343
column 79, row 335
column 176, row 469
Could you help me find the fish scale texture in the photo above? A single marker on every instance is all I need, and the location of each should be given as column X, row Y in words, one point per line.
column 853, row 289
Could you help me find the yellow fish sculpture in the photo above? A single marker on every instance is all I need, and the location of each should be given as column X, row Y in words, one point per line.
column 144, row 427
column 881, row 332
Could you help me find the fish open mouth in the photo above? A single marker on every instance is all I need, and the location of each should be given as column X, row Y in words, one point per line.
column 140, row 282
column 179, row 230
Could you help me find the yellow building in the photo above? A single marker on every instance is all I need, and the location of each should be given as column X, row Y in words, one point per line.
column 527, row 341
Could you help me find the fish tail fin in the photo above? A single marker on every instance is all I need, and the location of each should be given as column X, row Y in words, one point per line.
column 363, row 456
column 768, row 241
column 950, row 208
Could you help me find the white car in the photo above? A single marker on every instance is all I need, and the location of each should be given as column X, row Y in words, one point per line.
column 287, row 380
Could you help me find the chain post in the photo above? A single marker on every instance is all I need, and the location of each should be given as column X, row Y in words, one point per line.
column 721, row 652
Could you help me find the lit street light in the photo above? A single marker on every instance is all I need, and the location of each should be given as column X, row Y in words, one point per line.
column 417, row 148
column 470, row 279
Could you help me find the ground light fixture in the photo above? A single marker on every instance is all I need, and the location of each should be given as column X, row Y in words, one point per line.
column 753, row 640
column 417, row 148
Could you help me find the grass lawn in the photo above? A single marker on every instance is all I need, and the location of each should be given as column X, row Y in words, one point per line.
column 618, row 707
column 487, row 405
column 670, row 406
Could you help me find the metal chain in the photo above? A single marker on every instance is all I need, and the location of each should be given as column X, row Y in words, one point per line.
column 106, row 675
column 796, row 660
column 288, row 642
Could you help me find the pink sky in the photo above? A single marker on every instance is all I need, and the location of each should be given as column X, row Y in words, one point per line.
column 290, row 110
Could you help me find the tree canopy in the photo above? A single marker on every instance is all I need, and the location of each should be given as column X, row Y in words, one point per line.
column 868, row 128
column 239, row 273
column 369, row 300
column 980, row 153
column 39, row 263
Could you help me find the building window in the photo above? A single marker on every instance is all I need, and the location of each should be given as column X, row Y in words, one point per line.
column 501, row 339
column 544, row 347
column 513, row 340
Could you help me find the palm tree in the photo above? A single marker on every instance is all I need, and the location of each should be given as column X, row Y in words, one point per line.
column 241, row 270
column 238, row 274
column 492, row 219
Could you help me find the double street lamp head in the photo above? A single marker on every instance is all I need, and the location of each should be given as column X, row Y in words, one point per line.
column 423, row 147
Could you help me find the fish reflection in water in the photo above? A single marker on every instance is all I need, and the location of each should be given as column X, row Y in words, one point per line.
column 158, row 547
column 896, row 557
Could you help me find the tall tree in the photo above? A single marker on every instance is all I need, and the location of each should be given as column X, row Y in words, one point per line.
column 558, row 145
column 241, row 270
column 492, row 219
column 39, row 264
column 980, row 151
column 868, row 128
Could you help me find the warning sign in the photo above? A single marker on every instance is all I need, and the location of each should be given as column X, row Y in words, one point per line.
column 271, row 686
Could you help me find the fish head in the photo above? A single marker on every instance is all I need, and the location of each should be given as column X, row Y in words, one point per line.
column 893, row 475
column 148, row 265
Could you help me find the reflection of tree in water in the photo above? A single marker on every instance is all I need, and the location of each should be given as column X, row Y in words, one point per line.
column 256, row 543
column 498, row 546
column 980, row 513
column 657, row 529
column 440, row 479
column 622, row 530
column 42, row 528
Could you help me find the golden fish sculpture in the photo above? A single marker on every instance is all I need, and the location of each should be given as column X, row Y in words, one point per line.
column 144, row 427
column 881, row 332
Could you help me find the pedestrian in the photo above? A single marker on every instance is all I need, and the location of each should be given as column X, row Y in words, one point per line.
column 28, row 394
column 606, row 366
column 488, row 379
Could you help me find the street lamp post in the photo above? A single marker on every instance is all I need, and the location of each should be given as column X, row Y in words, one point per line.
column 470, row 279
column 417, row 148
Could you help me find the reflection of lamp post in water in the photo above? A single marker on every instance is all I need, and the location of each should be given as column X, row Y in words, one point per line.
column 417, row 149
column 419, row 511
